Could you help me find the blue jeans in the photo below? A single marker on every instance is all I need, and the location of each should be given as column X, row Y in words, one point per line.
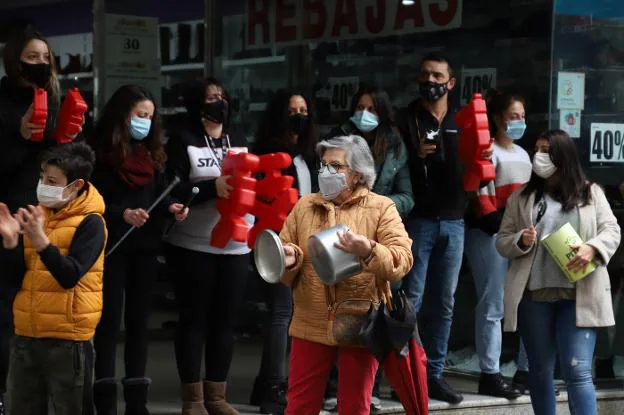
column 438, row 248
column 548, row 330
column 489, row 270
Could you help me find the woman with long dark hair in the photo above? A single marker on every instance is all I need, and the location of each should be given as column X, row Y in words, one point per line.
column 130, row 173
column 489, row 269
column 29, row 64
column 556, row 316
column 209, row 282
column 287, row 125
column 372, row 117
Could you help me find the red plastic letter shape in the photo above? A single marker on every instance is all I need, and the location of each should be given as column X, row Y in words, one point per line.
column 232, row 224
column 40, row 112
column 275, row 195
column 70, row 117
column 474, row 137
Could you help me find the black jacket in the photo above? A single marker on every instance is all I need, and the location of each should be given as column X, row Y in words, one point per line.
column 178, row 162
column 437, row 180
column 19, row 158
column 118, row 197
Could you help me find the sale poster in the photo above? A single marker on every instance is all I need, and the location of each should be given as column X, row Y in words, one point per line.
column 476, row 81
column 606, row 143
column 570, row 122
column 571, row 90
column 131, row 54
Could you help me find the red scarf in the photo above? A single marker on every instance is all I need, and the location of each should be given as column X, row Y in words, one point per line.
column 138, row 169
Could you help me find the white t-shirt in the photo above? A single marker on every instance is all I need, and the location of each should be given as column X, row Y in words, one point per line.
column 303, row 176
column 196, row 231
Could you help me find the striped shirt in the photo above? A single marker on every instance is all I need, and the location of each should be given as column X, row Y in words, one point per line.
column 513, row 170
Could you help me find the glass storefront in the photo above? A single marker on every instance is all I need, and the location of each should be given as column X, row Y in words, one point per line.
column 565, row 56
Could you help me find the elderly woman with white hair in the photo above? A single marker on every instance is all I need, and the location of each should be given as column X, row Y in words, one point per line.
column 327, row 319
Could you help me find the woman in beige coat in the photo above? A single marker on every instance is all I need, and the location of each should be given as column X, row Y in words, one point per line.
column 327, row 319
column 555, row 316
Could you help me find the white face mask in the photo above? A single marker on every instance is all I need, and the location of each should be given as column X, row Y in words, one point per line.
column 543, row 165
column 330, row 185
column 52, row 196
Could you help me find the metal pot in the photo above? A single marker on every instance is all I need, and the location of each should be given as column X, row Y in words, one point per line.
column 332, row 264
column 269, row 256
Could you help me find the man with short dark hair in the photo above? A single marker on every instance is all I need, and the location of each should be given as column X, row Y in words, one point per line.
column 436, row 223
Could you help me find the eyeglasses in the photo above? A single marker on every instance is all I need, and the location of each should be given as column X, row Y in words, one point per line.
column 333, row 168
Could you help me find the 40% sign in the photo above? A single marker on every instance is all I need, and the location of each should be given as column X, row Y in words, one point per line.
column 607, row 143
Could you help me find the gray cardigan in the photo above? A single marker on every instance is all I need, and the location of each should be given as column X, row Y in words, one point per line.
column 598, row 227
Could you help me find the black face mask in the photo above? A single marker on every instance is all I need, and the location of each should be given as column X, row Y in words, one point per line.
column 432, row 91
column 298, row 123
column 215, row 111
column 36, row 73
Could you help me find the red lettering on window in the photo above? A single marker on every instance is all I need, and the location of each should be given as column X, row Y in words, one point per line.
column 284, row 11
column 258, row 17
column 443, row 17
column 345, row 17
column 375, row 22
column 314, row 29
column 405, row 13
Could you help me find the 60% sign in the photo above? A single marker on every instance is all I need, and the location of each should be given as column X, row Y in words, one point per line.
column 607, row 143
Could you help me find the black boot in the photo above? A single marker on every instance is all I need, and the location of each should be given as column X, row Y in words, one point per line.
column 201, row 42
column 520, row 382
column 135, row 395
column 165, row 45
column 495, row 385
column 260, row 387
column 184, row 44
column 442, row 391
column 604, row 369
column 105, row 396
column 274, row 401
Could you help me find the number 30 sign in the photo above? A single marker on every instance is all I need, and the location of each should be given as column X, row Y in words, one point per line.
column 606, row 143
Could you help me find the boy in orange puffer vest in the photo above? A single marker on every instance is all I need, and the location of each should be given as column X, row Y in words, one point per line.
column 60, row 302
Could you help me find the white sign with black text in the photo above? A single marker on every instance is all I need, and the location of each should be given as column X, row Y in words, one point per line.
column 476, row 81
column 131, row 54
column 606, row 143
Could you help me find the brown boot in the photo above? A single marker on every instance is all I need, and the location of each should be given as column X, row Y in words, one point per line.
column 214, row 399
column 193, row 399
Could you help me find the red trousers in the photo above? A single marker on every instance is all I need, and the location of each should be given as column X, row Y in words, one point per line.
column 310, row 365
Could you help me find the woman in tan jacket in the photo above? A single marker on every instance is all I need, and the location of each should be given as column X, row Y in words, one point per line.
column 327, row 319
column 556, row 316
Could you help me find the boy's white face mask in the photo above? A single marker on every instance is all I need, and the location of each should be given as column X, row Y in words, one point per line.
column 52, row 196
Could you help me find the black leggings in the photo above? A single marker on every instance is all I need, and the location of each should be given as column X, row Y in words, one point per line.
column 275, row 346
column 130, row 274
column 209, row 290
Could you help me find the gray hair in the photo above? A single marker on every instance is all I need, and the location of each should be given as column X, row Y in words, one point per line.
column 359, row 156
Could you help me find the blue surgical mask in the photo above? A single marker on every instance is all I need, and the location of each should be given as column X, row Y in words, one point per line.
column 515, row 129
column 365, row 121
column 140, row 127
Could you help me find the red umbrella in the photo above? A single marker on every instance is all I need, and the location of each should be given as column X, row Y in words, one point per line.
column 392, row 335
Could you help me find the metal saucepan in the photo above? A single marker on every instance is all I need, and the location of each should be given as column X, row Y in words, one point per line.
column 332, row 264
column 269, row 256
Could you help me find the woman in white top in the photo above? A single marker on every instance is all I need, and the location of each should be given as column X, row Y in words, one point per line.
column 489, row 269
column 556, row 316
column 287, row 126
column 209, row 281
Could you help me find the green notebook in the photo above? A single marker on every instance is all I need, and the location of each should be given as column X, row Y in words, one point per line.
column 558, row 244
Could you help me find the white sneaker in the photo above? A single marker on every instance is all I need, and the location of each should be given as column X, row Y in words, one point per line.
column 330, row 404
column 375, row 404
